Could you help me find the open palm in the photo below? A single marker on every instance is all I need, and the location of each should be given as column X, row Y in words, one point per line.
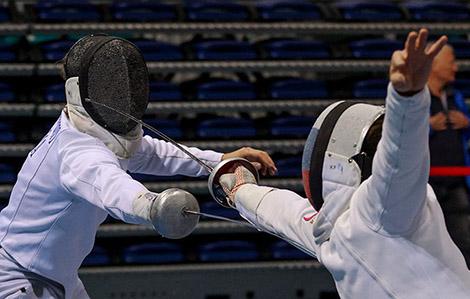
column 410, row 67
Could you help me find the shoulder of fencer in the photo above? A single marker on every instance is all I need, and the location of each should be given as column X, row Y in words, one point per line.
column 71, row 141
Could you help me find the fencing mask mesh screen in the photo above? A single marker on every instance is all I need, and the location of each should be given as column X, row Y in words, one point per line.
column 113, row 72
column 73, row 57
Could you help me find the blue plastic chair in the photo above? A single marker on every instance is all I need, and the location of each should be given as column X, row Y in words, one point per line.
column 297, row 88
column 7, row 53
column 56, row 50
column 169, row 127
column 463, row 85
column 164, row 91
column 153, row 253
column 434, row 11
column 290, row 167
column 216, row 11
column 67, row 11
column 221, row 89
column 296, row 49
column 461, row 48
column 158, row 51
column 4, row 14
column 372, row 11
column 282, row 250
column 55, row 93
column 211, row 207
column 6, row 93
column 140, row 11
column 370, row 88
column 292, row 126
column 97, row 257
column 6, row 133
column 226, row 251
column 226, row 128
column 374, row 48
column 288, row 11
column 7, row 174
column 223, row 50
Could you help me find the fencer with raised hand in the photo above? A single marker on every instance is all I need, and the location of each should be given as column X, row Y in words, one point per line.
column 376, row 226
column 77, row 175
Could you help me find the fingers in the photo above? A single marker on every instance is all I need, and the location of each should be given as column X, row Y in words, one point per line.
column 410, row 44
column 437, row 46
column 421, row 40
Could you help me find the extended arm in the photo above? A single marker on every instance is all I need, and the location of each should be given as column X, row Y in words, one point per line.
column 280, row 212
column 396, row 191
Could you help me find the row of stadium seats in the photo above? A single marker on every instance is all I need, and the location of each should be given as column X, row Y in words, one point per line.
column 14, row 49
column 218, row 251
column 287, row 167
column 208, row 89
column 279, row 10
column 212, row 128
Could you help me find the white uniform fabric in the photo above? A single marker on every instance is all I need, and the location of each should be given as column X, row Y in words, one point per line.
column 385, row 238
column 67, row 186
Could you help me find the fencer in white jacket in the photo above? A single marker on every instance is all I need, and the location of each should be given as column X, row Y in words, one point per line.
column 384, row 237
column 70, row 182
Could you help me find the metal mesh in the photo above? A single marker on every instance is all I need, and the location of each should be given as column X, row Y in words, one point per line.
column 75, row 54
column 117, row 77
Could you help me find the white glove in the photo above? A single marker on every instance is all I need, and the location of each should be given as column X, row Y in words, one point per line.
column 231, row 182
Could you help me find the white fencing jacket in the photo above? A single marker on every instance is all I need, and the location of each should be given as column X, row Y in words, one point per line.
column 384, row 238
column 67, row 186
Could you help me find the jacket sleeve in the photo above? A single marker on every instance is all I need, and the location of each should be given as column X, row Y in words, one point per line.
column 91, row 172
column 394, row 196
column 162, row 158
column 282, row 213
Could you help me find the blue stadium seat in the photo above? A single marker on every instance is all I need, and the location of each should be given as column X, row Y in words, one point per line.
column 292, row 10
column 227, row 251
column 463, row 85
column 56, row 50
column 211, row 207
column 216, row 11
column 158, row 51
column 226, row 128
column 295, row 49
column 67, row 11
column 292, row 126
column 373, row 11
column 438, row 11
column 223, row 50
column 222, row 89
column 374, row 48
column 164, row 91
column 6, row 93
column 7, row 53
column 297, row 88
column 289, row 167
column 168, row 127
column 4, row 14
column 461, row 48
column 7, row 174
column 143, row 11
column 153, row 253
column 55, row 93
column 282, row 250
column 370, row 88
column 6, row 133
column 97, row 257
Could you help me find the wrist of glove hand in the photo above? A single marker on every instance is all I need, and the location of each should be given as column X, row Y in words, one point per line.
column 231, row 182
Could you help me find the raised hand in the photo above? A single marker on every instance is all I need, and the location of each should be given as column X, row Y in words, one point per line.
column 410, row 67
